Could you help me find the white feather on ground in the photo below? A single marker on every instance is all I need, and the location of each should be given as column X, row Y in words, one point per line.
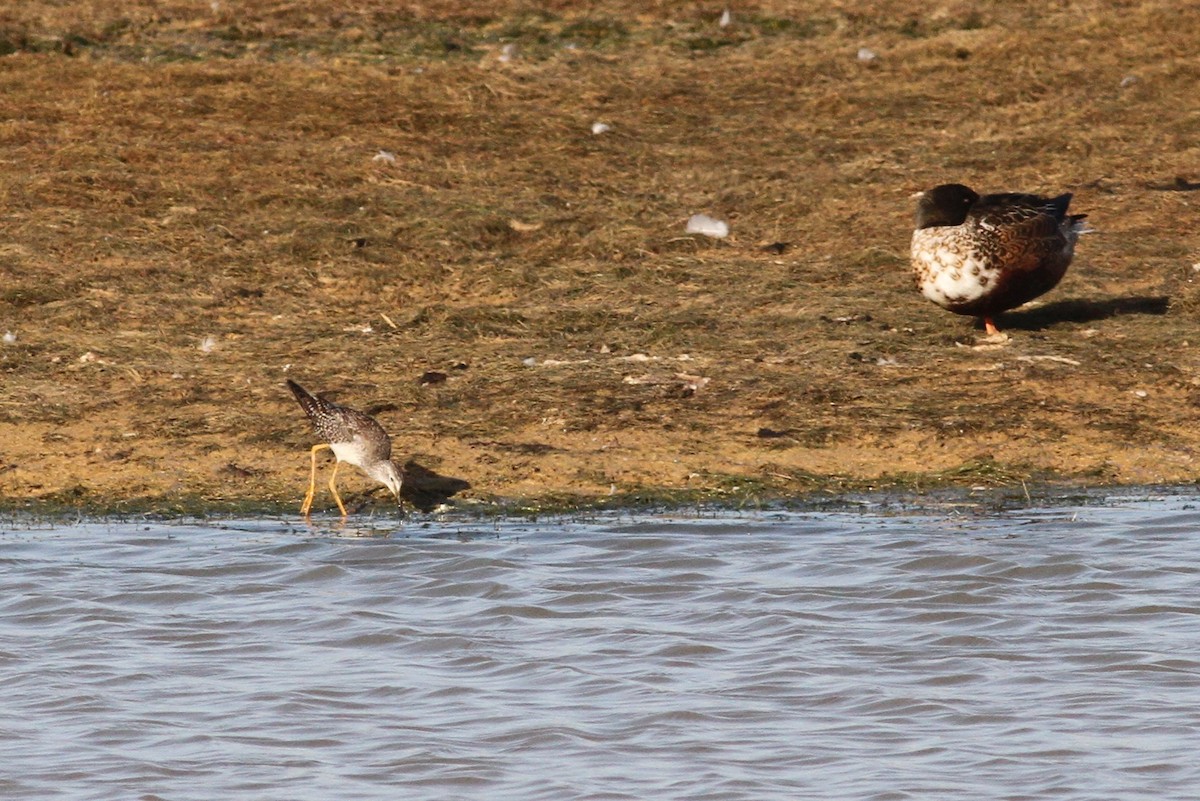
column 703, row 224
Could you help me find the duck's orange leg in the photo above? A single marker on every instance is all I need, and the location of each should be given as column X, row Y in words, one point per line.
column 990, row 327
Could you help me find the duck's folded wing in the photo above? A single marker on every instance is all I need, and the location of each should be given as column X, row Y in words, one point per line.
column 1023, row 235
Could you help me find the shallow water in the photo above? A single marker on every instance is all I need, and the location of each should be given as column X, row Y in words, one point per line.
column 1046, row 654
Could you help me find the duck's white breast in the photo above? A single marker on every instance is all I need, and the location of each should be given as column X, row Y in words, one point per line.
column 949, row 272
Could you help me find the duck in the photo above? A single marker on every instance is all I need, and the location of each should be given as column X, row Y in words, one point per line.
column 981, row 255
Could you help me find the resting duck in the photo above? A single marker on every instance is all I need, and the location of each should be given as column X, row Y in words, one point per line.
column 981, row 255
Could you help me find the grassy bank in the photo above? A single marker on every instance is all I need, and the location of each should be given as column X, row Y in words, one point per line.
column 201, row 200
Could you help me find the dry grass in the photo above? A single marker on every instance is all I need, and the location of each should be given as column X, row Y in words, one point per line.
column 176, row 171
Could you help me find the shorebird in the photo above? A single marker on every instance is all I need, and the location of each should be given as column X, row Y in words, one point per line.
column 353, row 437
column 982, row 255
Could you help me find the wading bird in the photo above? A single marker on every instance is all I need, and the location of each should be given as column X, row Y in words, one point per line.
column 353, row 437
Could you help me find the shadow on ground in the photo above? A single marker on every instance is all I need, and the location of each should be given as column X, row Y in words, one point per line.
column 426, row 490
column 1083, row 311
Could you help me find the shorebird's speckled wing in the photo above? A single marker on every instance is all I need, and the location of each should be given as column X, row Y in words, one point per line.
column 339, row 424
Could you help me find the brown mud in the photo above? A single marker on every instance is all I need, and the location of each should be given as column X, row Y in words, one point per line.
column 407, row 208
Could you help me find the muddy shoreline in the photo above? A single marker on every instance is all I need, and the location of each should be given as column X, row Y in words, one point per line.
column 202, row 204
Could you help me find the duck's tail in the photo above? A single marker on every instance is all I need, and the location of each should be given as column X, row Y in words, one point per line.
column 1058, row 206
column 1077, row 226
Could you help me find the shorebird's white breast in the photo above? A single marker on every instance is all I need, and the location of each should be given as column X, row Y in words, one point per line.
column 353, row 452
column 948, row 270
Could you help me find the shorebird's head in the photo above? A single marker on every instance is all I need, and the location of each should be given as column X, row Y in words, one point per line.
column 390, row 476
column 947, row 204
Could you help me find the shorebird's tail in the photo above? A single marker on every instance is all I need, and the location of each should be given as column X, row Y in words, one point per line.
column 311, row 404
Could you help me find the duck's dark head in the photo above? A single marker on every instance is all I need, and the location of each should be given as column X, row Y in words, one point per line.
column 947, row 204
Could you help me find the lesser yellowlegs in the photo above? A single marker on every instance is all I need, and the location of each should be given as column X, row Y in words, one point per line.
column 353, row 437
column 984, row 255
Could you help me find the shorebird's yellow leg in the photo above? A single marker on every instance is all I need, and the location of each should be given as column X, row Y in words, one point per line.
column 990, row 327
column 333, row 489
column 312, row 481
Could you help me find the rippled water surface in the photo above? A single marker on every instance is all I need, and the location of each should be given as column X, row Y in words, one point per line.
column 1049, row 654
